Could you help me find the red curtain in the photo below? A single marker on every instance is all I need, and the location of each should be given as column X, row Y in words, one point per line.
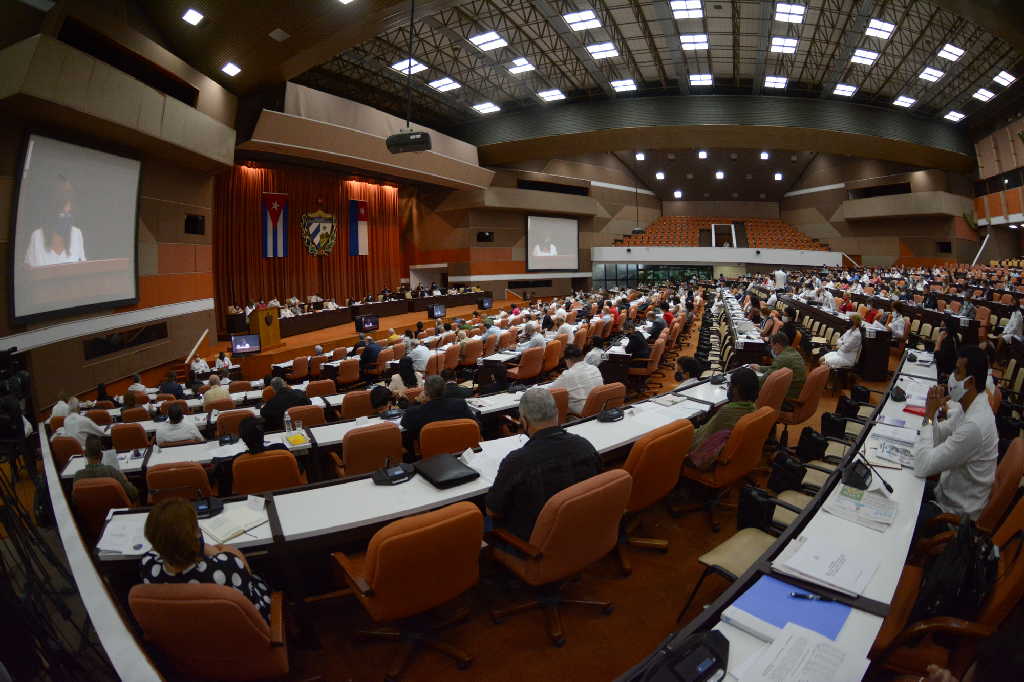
column 241, row 273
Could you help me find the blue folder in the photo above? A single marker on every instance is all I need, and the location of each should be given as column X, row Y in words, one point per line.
column 769, row 600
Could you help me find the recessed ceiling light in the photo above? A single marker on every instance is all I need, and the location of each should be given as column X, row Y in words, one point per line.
column 694, row 41
column 678, row 194
column 983, row 94
column 955, row 116
column 231, row 69
column 701, row 79
column 280, row 35
column 880, row 29
column 778, row 177
column 844, row 90
column 193, row 17
column 775, row 81
column 719, row 175
column 951, row 52
column 866, row 57
column 930, row 74
column 1004, row 78
column 551, row 95
column 689, row 176
column 639, row 156
column 791, row 14
column 602, row 50
column 627, row 85
column 346, row 2
column 445, row 84
column 904, row 101
column 764, row 156
column 581, row 21
column 702, row 154
column 783, row 45
column 686, row 9
column 521, row 65
column 488, row 41
column 486, row 108
column 408, row 66
column 660, row 175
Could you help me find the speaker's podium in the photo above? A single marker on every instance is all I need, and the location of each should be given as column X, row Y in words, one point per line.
column 266, row 323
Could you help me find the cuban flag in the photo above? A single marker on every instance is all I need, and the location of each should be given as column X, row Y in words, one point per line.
column 358, row 229
column 275, row 225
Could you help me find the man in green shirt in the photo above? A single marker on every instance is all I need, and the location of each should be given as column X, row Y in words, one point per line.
column 95, row 469
column 786, row 356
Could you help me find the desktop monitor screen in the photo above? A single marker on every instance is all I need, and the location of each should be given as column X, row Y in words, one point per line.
column 367, row 323
column 436, row 311
column 242, row 344
column 485, row 303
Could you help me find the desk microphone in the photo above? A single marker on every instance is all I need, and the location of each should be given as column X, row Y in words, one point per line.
column 875, row 472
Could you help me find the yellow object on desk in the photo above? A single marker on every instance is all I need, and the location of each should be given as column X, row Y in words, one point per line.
column 297, row 439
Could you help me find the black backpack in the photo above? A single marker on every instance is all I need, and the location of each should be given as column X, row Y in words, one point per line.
column 957, row 581
column 812, row 445
column 787, row 473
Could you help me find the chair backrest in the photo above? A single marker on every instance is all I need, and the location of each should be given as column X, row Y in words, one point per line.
column 1004, row 487
column 368, row 448
column 268, row 393
column 56, row 423
column 134, row 414
column 490, row 345
column 92, row 499
column 655, row 357
column 166, row 406
column 269, row 470
column 773, row 390
column 177, row 479
column 239, row 386
column 141, row 397
column 530, row 363
column 423, row 561
column 449, row 435
column 105, row 405
column 655, row 461
column 614, row 394
column 743, row 450
column 309, row 415
column 320, row 388
column 383, row 358
column 300, row 367
column 356, row 404
column 507, row 340
column 100, row 417
column 220, row 404
column 315, row 364
column 473, row 350
column 183, row 619
column 561, row 396
column 229, row 421
column 578, row 525
column 451, row 356
column 435, row 363
column 63, row 448
column 128, row 437
column 348, row 371
column 810, row 395
column 164, row 397
column 552, row 355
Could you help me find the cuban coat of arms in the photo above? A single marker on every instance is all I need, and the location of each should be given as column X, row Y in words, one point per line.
column 319, row 232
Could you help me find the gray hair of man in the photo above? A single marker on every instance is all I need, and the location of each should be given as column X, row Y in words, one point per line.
column 278, row 384
column 537, row 410
column 433, row 386
column 529, row 329
column 214, row 380
column 73, row 404
column 318, row 349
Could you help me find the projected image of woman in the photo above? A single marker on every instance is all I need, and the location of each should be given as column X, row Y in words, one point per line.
column 55, row 240
column 546, row 247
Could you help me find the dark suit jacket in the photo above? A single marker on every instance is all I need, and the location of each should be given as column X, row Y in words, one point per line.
column 656, row 328
column 174, row 388
column 452, row 390
column 273, row 411
column 637, row 346
column 369, row 355
column 436, row 410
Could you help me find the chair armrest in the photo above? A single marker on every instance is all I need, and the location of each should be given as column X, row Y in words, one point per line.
column 354, row 578
column 942, row 624
column 818, row 468
column 953, row 519
column 502, row 535
column 795, row 402
column 930, row 546
column 277, row 619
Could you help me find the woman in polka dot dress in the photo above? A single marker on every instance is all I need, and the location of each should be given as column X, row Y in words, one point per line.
column 180, row 556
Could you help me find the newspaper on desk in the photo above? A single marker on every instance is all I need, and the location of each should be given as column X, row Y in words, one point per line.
column 897, row 453
column 868, row 508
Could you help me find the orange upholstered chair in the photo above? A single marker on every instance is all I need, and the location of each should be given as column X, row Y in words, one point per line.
column 473, row 351
column 239, row 386
column 269, row 470
column 773, row 390
column 451, row 356
column 100, row 417
column 561, row 396
column 128, row 437
column 356, row 404
column 654, row 463
column 649, row 366
column 56, row 423
column 412, row 566
column 449, row 435
column 177, row 479
column 166, row 406
column 741, row 454
column 810, row 395
column 309, row 415
column 435, row 363
column 529, row 367
column 300, row 370
column 603, row 397
column 315, row 365
column 134, row 414
column 369, row 448
column 552, row 356
column 92, row 498
column 348, row 373
column 229, row 421
column 104, row 405
column 181, row 621
column 490, row 345
column 378, row 368
column 576, row 527
column 63, row 448
column 221, row 405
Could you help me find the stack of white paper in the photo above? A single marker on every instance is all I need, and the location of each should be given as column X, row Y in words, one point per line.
column 825, row 563
column 894, row 433
column 124, row 534
column 801, row 655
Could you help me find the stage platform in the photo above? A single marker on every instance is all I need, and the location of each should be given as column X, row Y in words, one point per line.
column 257, row 366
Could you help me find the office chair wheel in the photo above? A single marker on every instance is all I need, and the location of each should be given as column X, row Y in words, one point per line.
column 608, row 610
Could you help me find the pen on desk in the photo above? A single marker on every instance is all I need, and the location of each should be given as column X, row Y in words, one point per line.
column 809, row 597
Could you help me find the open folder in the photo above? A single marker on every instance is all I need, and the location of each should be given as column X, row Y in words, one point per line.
column 767, row 606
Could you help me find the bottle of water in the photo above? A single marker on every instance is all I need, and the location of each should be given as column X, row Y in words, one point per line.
column 287, row 423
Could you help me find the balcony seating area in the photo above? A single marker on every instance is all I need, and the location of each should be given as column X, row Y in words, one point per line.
column 760, row 233
column 776, row 234
column 670, row 231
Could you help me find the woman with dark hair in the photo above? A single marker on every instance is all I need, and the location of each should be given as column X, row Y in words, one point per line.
column 251, row 433
column 947, row 347
column 101, row 393
column 406, row 376
column 55, row 240
column 710, row 438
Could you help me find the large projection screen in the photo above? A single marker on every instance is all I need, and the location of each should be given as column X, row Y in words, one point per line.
column 74, row 230
column 552, row 243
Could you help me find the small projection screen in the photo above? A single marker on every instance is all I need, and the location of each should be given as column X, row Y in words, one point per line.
column 552, row 243
column 74, row 232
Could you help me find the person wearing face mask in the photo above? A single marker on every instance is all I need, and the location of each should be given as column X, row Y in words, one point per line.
column 959, row 442
column 56, row 240
column 180, row 555
column 784, row 355
column 1012, row 331
column 848, row 351
column 898, row 326
column 789, row 324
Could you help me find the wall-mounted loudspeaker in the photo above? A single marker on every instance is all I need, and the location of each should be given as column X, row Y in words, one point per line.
column 485, row 236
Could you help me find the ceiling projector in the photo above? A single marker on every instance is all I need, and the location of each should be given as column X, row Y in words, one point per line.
column 408, row 141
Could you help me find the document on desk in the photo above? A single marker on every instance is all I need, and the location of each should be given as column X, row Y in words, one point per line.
column 231, row 523
column 894, row 452
column 823, row 562
column 897, row 434
column 864, row 507
column 800, row 655
column 124, row 534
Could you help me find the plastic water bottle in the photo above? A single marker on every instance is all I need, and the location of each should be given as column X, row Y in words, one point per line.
column 287, row 423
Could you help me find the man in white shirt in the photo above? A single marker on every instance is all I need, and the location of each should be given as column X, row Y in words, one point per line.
column 273, row 303
column 780, row 279
column 579, row 379
column 199, row 365
column 78, row 426
column 330, row 305
column 533, row 338
column 137, row 384
column 828, row 301
column 60, row 408
column 177, row 428
column 562, row 327
column 286, row 313
column 897, row 325
column 963, row 443
column 420, row 354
